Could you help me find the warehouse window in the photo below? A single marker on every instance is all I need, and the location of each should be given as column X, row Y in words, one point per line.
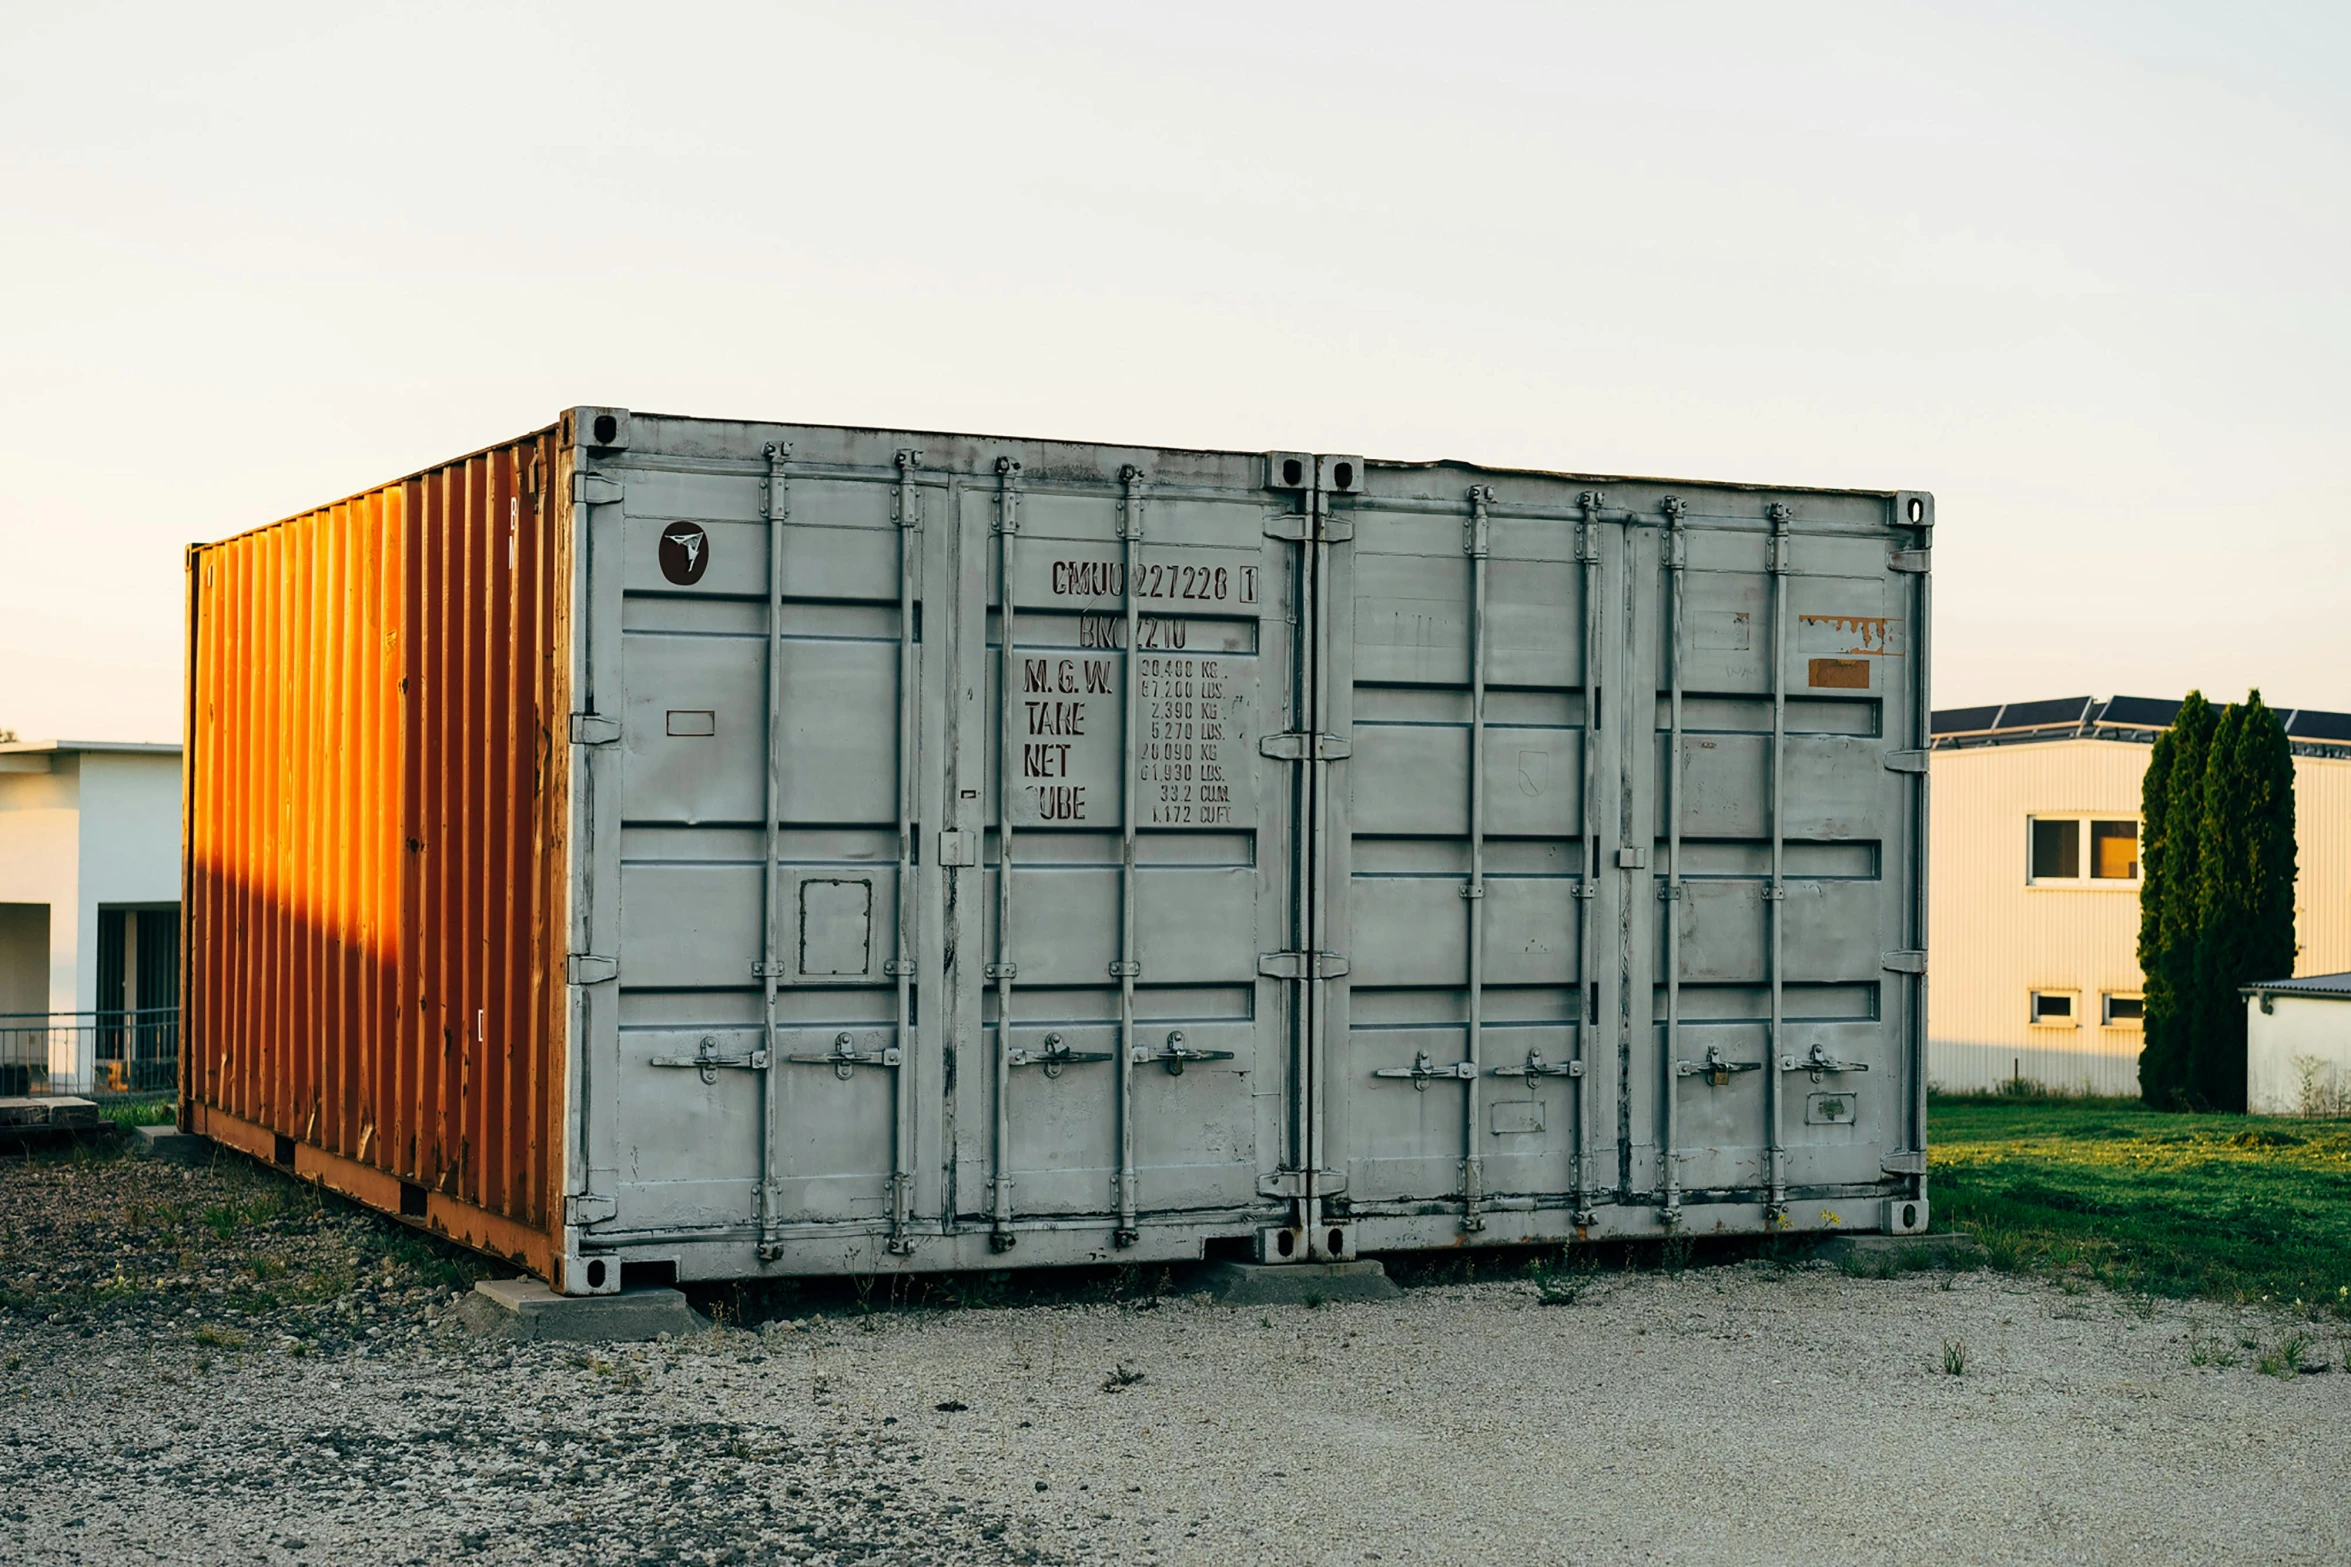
column 2057, row 849
column 2058, row 856
column 2114, row 851
column 2054, row 1009
column 2124, row 1010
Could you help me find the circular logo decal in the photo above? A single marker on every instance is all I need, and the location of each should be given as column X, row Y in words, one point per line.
column 685, row 553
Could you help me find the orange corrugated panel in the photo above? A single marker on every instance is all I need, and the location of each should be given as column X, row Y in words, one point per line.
column 373, row 855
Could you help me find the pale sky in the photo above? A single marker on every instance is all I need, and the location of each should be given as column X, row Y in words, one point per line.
column 2082, row 270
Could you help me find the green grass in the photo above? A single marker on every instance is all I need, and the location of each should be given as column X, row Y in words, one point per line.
column 2222, row 1207
column 127, row 1113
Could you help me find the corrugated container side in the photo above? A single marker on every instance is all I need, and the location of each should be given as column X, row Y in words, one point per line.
column 374, row 813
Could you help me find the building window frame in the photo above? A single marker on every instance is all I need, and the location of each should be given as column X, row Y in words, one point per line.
column 2134, row 1022
column 2040, row 1011
column 2081, row 833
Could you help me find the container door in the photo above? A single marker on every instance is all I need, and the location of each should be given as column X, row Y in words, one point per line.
column 1134, row 1072
column 775, row 1041
column 1471, row 1050
column 1785, row 704
column 991, row 973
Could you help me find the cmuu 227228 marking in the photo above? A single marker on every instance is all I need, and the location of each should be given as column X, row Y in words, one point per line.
column 1098, row 579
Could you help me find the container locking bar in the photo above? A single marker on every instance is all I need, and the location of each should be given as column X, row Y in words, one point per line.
column 1177, row 1054
column 1819, row 1063
column 1714, row 1068
column 1536, row 1067
column 1004, row 970
column 1677, row 565
column 1053, row 1055
column 1476, row 542
column 776, row 500
column 1129, row 963
column 1424, row 1071
column 845, row 1058
column 708, row 1058
column 906, row 508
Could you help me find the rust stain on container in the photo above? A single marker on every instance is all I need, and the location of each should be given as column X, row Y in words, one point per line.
column 1864, row 635
column 374, row 846
column 1849, row 674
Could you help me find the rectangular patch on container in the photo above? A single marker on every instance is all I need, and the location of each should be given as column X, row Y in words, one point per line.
column 1829, row 1109
column 1517, row 1115
column 1840, row 674
column 693, row 723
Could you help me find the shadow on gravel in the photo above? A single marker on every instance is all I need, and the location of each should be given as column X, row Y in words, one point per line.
column 218, row 1256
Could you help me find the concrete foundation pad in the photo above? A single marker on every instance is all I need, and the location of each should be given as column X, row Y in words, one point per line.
column 28, row 1118
column 1945, row 1250
column 169, row 1142
column 60, row 1111
column 1297, row 1283
column 528, row 1309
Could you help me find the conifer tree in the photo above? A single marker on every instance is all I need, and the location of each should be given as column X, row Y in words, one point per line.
column 2245, row 894
column 2172, row 812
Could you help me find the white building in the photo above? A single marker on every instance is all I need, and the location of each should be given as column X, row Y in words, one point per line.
column 2298, row 1046
column 2033, row 900
column 89, row 905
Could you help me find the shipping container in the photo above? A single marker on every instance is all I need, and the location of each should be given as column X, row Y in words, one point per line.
column 667, row 847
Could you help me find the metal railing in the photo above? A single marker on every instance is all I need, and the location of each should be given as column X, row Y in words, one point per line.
column 122, row 1051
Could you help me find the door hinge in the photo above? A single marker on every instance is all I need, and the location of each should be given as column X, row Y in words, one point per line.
column 1903, row 1161
column 1906, row 761
column 1291, row 526
column 594, row 729
column 1908, row 961
column 1294, row 965
column 588, row 1208
column 593, row 489
column 586, row 968
column 958, row 847
column 1298, row 746
column 1292, row 1183
column 1632, row 857
column 1913, row 561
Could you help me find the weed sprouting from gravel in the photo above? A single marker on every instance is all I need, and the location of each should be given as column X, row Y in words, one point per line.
column 1122, row 1377
column 217, row 1338
column 1555, row 1284
column 2204, row 1350
column 1312, row 1300
column 2286, row 1359
column 1954, row 1357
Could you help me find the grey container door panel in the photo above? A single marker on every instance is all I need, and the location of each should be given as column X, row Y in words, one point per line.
column 689, row 1067
column 1401, row 1124
column 1127, row 1126
column 1848, row 686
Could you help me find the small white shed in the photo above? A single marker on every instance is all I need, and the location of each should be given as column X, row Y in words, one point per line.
column 2298, row 1046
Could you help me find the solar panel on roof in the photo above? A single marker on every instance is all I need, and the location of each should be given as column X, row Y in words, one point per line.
column 1964, row 720
column 2144, row 712
column 2311, row 725
column 2034, row 715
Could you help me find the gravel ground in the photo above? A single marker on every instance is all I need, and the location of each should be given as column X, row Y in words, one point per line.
column 168, row 1401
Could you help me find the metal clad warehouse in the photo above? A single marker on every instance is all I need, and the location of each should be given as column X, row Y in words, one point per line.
column 726, row 848
column 2036, row 892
